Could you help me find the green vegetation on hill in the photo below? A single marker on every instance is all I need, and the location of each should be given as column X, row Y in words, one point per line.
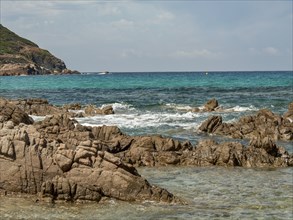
column 11, row 43
column 15, row 50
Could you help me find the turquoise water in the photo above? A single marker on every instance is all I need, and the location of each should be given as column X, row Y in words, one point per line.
column 149, row 103
column 160, row 103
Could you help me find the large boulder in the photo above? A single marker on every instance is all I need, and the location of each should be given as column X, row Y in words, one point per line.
column 30, row 163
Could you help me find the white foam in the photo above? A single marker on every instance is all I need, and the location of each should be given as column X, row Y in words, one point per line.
column 142, row 120
column 179, row 106
column 240, row 109
column 37, row 118
column 120, row 106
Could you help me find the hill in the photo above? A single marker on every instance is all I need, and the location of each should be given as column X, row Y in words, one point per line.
column 19, row 56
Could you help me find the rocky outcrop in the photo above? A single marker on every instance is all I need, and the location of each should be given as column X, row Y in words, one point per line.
column 19, row 56
column 41, row 107
column 265, row 124
column 59, row 159
column 10, row 112
column 30, row 163
column 91, row 110
column 210, row 106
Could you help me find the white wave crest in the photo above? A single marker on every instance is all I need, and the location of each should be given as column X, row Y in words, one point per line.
column 119, row 106
column 140, row 121
column 241, row 109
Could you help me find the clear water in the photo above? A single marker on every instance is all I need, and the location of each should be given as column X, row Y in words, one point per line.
column 159, row 103
column 211, row 193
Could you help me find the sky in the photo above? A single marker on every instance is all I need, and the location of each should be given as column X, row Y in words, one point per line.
column 152, row 35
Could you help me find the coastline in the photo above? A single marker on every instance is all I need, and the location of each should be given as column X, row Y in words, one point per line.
column 60, row 144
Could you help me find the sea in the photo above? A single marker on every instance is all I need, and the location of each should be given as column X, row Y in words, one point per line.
column 148, row 103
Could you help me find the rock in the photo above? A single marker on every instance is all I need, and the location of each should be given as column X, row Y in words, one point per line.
column 211, row 124
column 39, row 107
column 72, row 106
column 9, row 111
column 53, row 170
column 289, row 114
column 211, row 105
column 265, row 123
column 91, row 110
column 59, row 159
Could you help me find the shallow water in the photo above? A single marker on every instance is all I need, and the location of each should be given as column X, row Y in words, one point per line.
column 211, row 193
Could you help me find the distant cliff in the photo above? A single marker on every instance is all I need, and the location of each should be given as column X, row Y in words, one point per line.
column 19, row 56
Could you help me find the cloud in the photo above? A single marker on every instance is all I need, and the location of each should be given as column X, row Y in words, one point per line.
column 122, row 23
column 271, row 51
column 167, row 34
column 203, row 53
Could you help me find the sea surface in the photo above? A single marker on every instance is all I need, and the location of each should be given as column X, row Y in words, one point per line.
column 160, row 103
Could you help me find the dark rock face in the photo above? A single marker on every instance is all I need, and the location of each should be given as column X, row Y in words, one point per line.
column 265, row 124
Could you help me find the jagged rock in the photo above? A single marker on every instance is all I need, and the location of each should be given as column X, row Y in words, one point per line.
column 265, row 123
column 211, row 105
column 91, row 110
column 60, row 159
column 72, row 106
column 9, row 111
column 54, row 171
column 211, row 124
column 39, row 107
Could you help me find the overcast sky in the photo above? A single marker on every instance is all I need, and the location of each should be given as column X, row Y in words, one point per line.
column 158, row 35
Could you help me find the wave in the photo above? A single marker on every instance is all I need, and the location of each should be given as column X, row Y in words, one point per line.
column 237, row 108
column 240, row 109
column 120, row 106
column 143, row 120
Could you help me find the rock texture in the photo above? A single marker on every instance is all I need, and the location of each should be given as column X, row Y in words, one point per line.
column 41, row 107
column 265, row 124
column 59, row 159
column 19, row 56
column 31, row 163
column 210, row 106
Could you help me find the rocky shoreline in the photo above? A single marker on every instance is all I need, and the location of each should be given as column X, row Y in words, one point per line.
column 58, row 159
